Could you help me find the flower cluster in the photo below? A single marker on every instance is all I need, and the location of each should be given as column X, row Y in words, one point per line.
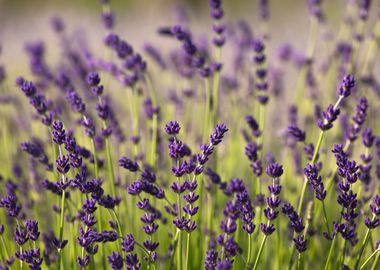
column 275, row 171
column 347, row 199
column 296, row 223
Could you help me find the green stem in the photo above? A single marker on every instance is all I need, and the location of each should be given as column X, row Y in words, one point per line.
column 142, row 248
column 375, row 262
column 210, row 216
column 61, row 225
column 363, row 245
column 343, row 254
column 187, row 251
column 207, row 110
column 96, row 172
column 299, row 261
column 315, row 155
column 82, row 250
column 5, row 247
column 154, row 141
column 249, row 252
column 110, row 166
column 330, row 252
column 21, row 262
column 171, row 263
column 152, row 93
column 215, row 87
column 325, row 217
column 260, row 252
column 179, row 251
column 369, row 258
column 93, row 148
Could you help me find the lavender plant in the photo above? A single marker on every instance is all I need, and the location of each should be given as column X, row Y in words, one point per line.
column 178, row 120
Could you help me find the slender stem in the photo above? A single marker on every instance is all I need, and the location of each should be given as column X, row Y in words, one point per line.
column 210, row 216
column 290, row 264
column 343, row 253
column 316, row 151
column 82, row 250
column 299, row 261
column 171, row 263
column 375, row 262
column 330, row 252
column 110, row 166
column 21, row 262
column 363, row 245
column 179, row 253
column 311, row 43
column 5, row 247
column 61, row 224
column 215, row 88
column 96, row 168
column 154, row 141
column 142, row 248
column 152, row 93
column 260, row 252
column 207, row 110
column 325, row 217
column 315, row 154
column 249, row 252
column 369, row 258
column 111, row 172
column 187, row 251
column 96, row 172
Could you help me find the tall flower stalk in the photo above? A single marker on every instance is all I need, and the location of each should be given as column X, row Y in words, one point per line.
column 329, row 116
column 275, row 171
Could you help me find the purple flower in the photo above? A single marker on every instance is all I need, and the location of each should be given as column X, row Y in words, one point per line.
column 116, row 261
column 263, row 10
column 218, row 134
column 93, row 79
column 128, row 164
column 375, row 206
column 371, row 224
column 329, row 116
column 211, row 259
column 84, row 262
column 128, row 243
column 108, row 19
column 149, row 245
column 346, row 86
column 267, row 229
column 58, row 132
column 296, row 223
column 9, row 202
column 224, row 265
column 172, row 128
column 32, row 229
column 132, row 262
column 75, row 101
column 155, row 54
column 253, row 125
column 57, row 24
column 296, row 133
column 20, row 235
column 311, row 173
column 274, row 170
column 63, row 164
column 177, row 149
column 368, row 137
column 315, row 9
column 300, row 243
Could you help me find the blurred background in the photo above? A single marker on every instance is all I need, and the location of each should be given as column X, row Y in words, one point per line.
column 137, row 20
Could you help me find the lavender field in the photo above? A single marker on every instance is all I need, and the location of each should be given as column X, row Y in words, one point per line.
column 190, row 134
